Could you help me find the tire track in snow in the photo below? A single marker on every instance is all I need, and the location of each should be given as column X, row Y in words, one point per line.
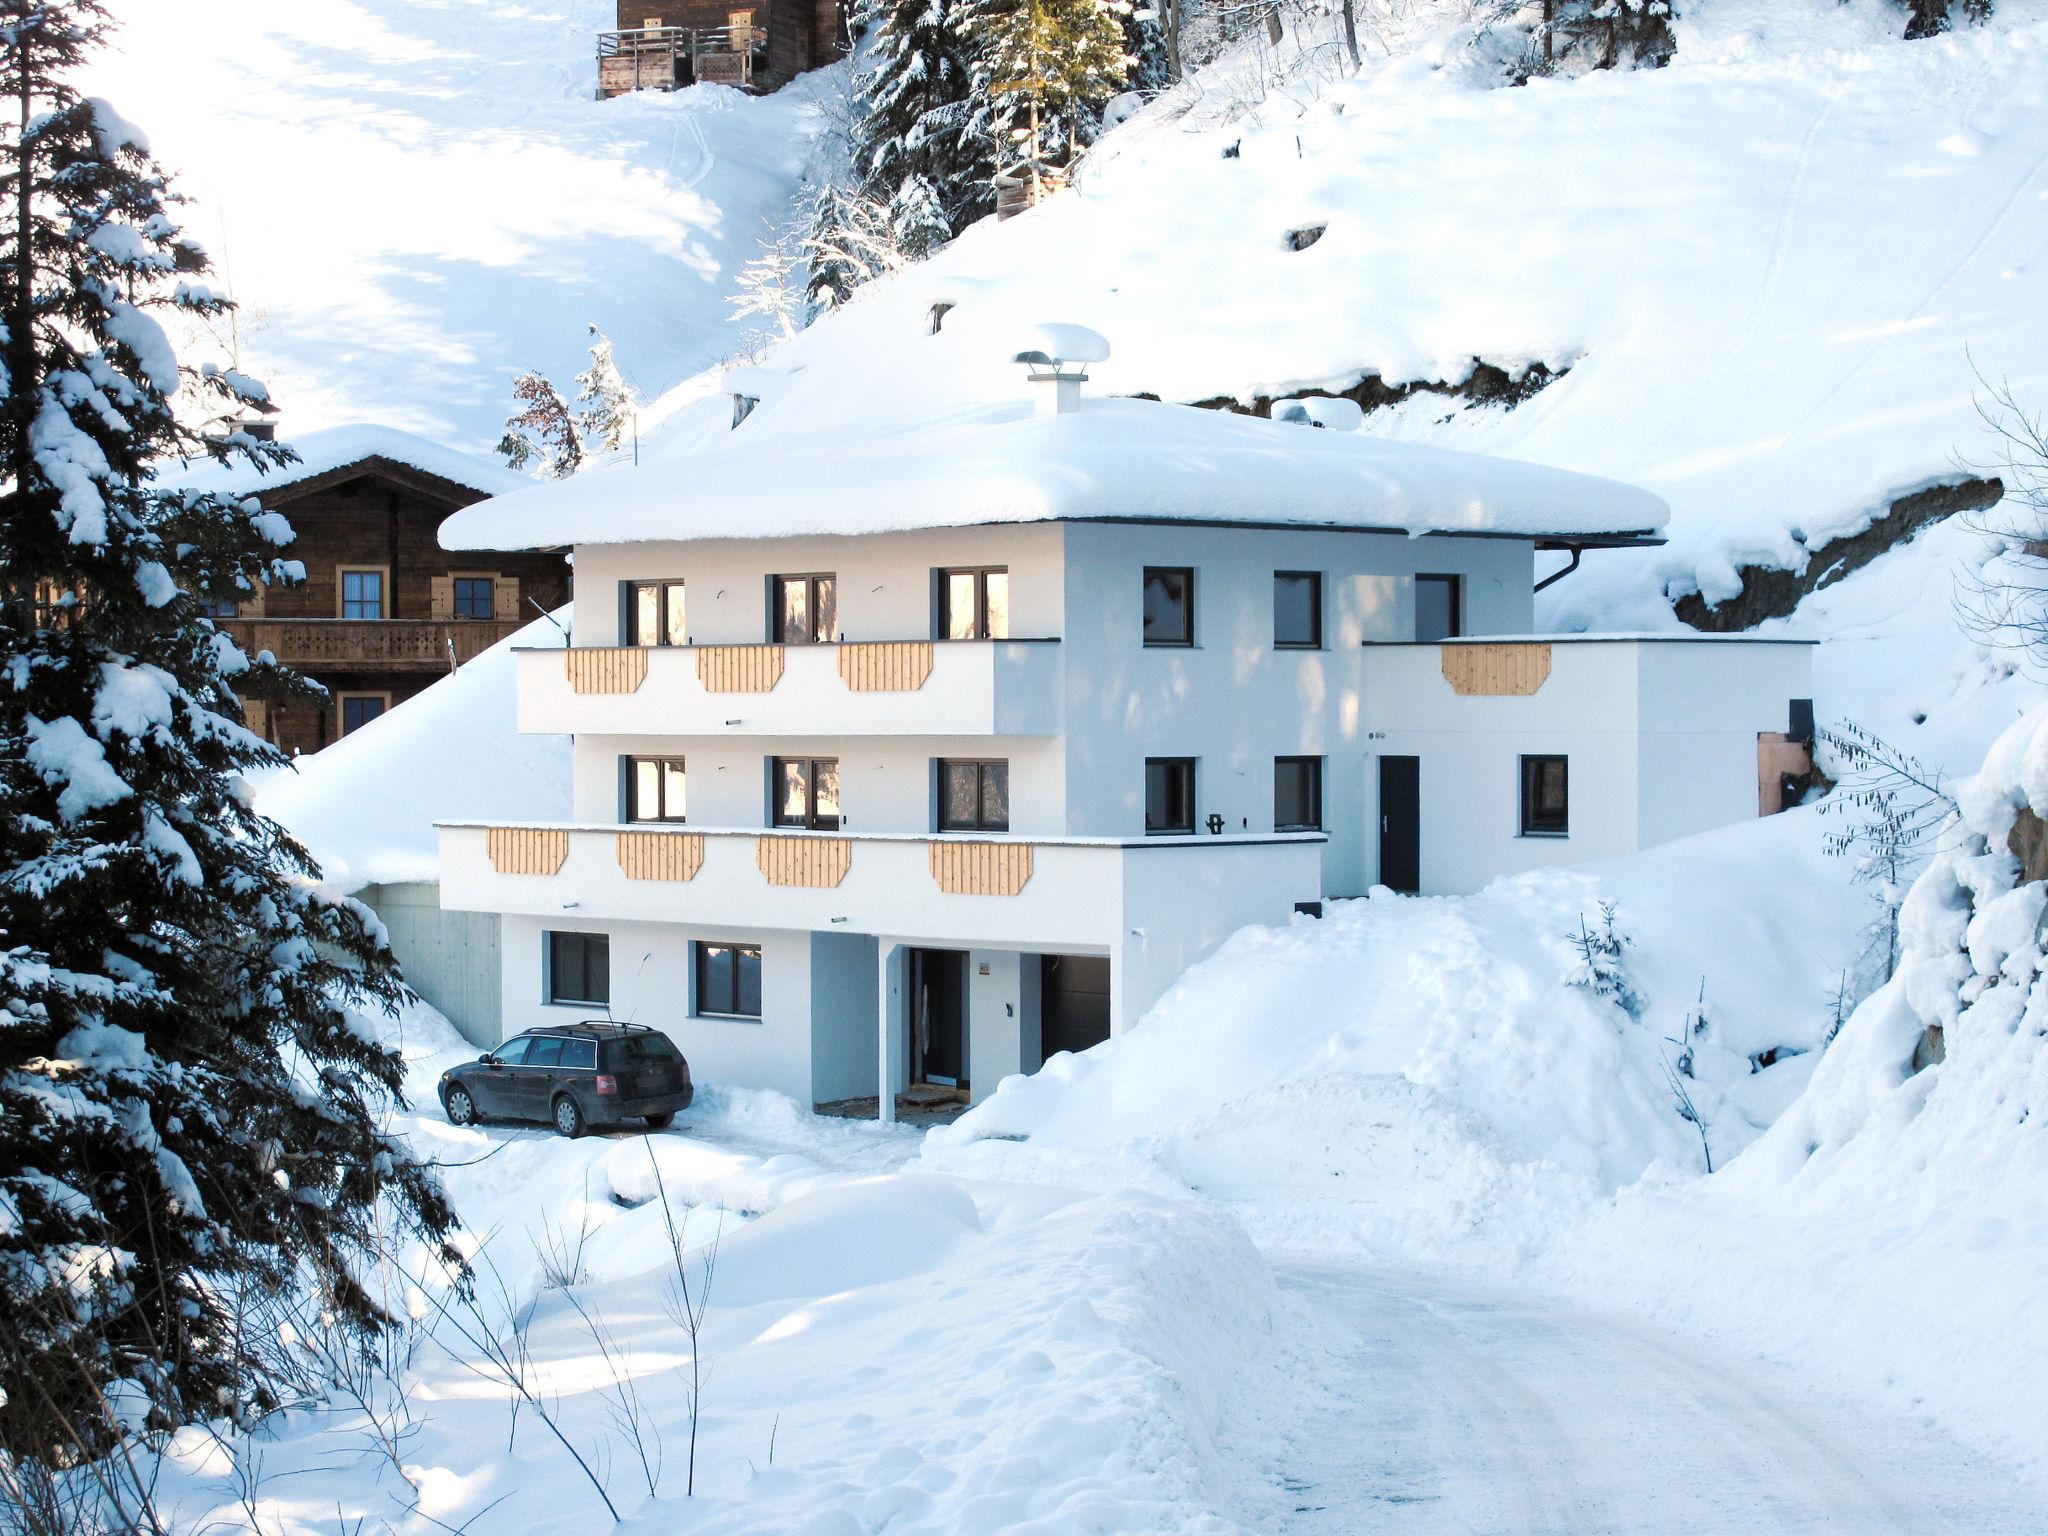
column 1420, row 1408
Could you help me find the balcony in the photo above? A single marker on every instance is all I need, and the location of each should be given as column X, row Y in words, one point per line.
column 849, row 688
column 384, row 645
column 1177, row 895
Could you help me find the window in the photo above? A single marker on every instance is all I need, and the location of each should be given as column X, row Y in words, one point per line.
column 806, row 610
column 215, row 608
column 580, row 968
column 806, row 791
column 1298, row 610
column 1297, row 794
column 654, row 789
column 579, row 1053
column 546, row 1051
column 473, row 599
column 729, row 980
column 1546, row 797
column 513, row 1052
column 974, row 605
column 974, row 796
column 1439, row 607
column 655, row 613
column 1169, row 606
column 1169, row 794
column 359, row 709
column 362, row 594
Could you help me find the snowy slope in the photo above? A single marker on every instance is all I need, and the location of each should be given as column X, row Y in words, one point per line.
column 413, row 203
column 1767, row 268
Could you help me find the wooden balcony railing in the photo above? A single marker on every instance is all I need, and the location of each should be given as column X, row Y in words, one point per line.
column 403, row 645
column 665, row 58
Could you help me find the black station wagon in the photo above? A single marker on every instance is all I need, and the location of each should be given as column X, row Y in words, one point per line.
column 573, row 1077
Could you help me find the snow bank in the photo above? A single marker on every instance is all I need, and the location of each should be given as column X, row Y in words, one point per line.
column 366, row 805
column 333, row 448
column 1891, row 1230
column 1417, row 1076
column 996, row 464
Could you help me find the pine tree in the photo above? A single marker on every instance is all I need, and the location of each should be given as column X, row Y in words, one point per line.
column 914, row 153
column 606, row 400
column 542, row 431
column 189, row 1121
column 1043, row 71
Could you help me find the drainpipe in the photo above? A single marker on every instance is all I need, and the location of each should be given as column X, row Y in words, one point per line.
column 1572, row 565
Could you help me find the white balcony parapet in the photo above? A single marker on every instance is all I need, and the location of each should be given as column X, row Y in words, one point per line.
column 1007, row 890
column 846, row 688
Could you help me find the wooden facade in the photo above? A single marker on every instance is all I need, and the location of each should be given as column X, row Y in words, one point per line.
column 380, row 519
column 664, row 45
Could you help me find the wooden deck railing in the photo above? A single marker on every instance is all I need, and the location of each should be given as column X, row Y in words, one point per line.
column 411, row 645
column 650, row 58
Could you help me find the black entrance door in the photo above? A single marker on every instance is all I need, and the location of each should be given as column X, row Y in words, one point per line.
column 1401, row 823
column 1073, row 1003
column 938, row 1017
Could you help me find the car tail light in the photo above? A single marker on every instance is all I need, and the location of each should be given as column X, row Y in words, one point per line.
column 607, row 1085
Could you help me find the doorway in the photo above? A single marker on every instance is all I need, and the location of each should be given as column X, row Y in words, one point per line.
column 938, row 1017
column 1401, row 823
column 1074, row 1002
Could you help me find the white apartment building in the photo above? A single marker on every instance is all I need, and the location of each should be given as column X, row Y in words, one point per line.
column 916, row 757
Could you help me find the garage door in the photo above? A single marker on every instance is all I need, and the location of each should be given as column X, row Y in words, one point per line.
column 1075, row 994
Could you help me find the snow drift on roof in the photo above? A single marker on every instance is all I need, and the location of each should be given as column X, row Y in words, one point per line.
column 366, row 806
column 334, row 448
column 1001, row 463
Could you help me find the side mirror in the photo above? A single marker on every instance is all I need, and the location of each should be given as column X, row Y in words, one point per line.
column 487, row 1060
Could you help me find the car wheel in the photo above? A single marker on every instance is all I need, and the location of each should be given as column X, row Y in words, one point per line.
column 661, row 1121
column 568, row 1118
column 460, row 1106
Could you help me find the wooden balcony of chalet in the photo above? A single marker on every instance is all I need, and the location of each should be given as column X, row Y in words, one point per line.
column 669, row 58
column 381, row 645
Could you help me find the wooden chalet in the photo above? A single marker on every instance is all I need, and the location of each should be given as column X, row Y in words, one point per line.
column 384, row 611
column 663, row 45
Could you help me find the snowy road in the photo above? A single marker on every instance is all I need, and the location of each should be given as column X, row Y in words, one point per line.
column 1400, row 1405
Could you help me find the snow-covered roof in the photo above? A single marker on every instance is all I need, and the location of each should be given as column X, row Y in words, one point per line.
column 366, row 806
column 1000, row 462
column 333, row 448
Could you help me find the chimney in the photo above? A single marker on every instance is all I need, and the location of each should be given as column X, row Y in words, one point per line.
column 1058, row 365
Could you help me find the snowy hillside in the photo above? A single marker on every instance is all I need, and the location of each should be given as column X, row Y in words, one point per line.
column 413, row 203
column 1763, row 271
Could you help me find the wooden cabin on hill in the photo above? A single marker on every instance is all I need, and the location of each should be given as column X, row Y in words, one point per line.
column 663, row 45
column 384, row 611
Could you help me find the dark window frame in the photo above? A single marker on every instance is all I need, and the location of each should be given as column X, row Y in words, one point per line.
column 1186, row 636
column 661, row 589
column 1185, row 767
column 703, row 993
column 813, row 608
column 458, row 586
column 560, row 941
column 943, row 628
column 343, row 702
column 1455, row 582
column 361, row 600
column 811, row 820
column 1537, row 823
column 1315, row 794
column 635, row 812
column 1315, row 640
column 981, row 767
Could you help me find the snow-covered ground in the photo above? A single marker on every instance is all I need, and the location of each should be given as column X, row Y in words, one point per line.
column 414, row 203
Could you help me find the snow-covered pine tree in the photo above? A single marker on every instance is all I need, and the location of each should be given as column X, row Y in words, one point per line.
column 913, row 151
column 605, row 399
column 189, row 1120
column 542, row 430
column 1043, row 71
column 771, row 286
column 1929, row 18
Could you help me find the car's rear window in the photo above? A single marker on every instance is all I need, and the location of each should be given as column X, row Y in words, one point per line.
column 579, row 1053
column 649, row 1047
